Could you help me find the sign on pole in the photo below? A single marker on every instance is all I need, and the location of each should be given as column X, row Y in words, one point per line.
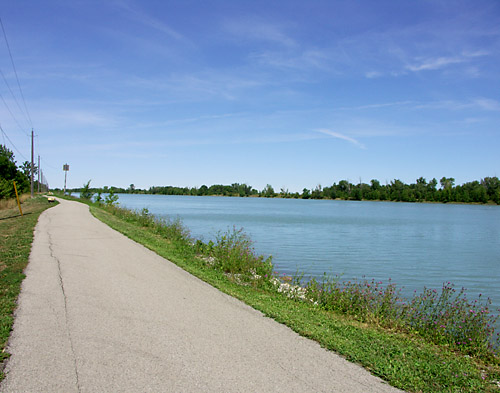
column 65, row 169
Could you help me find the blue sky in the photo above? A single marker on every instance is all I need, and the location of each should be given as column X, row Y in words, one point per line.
column 290, row 93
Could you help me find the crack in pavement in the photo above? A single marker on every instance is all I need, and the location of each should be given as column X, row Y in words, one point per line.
column 63, row 291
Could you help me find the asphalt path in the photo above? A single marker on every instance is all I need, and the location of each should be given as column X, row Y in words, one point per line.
column 101, row 313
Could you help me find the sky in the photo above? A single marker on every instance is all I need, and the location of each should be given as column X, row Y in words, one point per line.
column 289, row 93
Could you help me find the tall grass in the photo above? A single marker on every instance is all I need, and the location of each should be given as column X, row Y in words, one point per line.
column 12, row 203
column 446, row 317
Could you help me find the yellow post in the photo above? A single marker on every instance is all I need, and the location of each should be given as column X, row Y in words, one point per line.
column 17, row 197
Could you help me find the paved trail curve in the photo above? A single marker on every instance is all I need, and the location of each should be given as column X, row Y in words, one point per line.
column 100, row 313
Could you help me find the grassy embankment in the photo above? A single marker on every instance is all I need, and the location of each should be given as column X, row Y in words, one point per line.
column 436, row 342
column 16, row 236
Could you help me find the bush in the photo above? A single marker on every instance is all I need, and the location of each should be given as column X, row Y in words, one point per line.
column 85, row 192
column 233, row 253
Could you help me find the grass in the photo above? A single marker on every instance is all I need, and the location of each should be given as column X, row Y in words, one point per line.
column 16, row 236
column 340, row 316
column 7, row 204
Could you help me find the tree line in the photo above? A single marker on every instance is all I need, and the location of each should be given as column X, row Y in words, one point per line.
column 486, row 190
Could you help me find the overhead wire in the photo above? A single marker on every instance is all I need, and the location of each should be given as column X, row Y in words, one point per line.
column 24, row 112
column 12, row 143
column 15, row 72
column 12, row 114
column 42, row 159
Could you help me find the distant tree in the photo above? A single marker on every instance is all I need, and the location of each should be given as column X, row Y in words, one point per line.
column 317, row 193
column 203, row 190
column 111, row 199
column 85, row 192
column 447, row 182
column 375, row 184
column 268, row 191
column 284, row 193
column 492, row 186
column 356, row 193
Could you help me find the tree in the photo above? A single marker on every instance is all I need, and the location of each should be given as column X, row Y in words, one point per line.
column 447, row 182
column 492, row 186
column 9, row 173
column 375, row 184
column 85, row 193
column 268, row 191
column 317, row 193
column 111, row 199
column 26, row 169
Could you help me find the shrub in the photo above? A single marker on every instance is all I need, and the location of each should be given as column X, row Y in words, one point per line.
column 85, row 192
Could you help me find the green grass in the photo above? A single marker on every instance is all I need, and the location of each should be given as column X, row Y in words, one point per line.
column 16, row 236
column 403, row 358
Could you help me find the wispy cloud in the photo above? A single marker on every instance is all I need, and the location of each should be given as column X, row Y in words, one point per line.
column 373, row 74
column 487, row 104
column 148, row 20
column 443, row 61
column 341, row 136
column 480, row 103
column 434, row 64
column 378, row 105
column 69, row 118
column 256, row 29
column 309, row 59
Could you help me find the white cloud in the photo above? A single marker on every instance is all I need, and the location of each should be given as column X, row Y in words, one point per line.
column 256, row 29
column 441, row 62
column 373, row 74
column 147, row 20
column 487, row 104
column 341, row 136
column 434, row 64
column 74, row 118
column 295, row 60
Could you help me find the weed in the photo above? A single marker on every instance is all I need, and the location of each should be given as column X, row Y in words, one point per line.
column 444, row 317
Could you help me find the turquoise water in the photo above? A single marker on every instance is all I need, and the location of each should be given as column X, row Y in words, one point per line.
column 415, row 245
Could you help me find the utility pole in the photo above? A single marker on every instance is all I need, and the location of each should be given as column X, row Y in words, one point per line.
column 39, row 170
column 32, row 164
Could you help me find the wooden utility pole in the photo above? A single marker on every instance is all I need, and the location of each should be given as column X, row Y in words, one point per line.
column 32, row 164
column 39, row 174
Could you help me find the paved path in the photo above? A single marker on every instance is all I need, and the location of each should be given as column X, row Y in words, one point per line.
column 100, row 313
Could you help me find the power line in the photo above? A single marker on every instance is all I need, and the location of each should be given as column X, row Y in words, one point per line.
column 41, row 157
column 8, row 108
column 5, row 134
column 13, row 96
column 47, row 164
column 15, row 72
